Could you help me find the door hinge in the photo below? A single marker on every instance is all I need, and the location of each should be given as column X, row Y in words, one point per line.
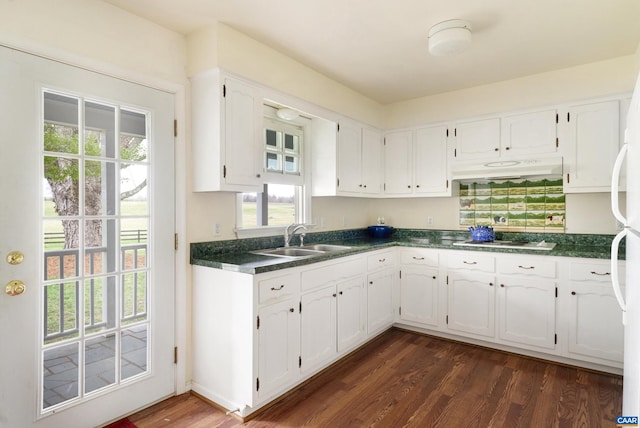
column 400, row 274
column 447, row 184
column 447, row 320
column 384, row 187
column 447, row 132
column 400, row 311
column 299, row 361
column 257, row 384
column 555, row 339
column 175, row 127
column 175, row 241
column 175, row 355
column 224, row 91
column 258, row 322
column 568, row 179
column 455, row 153
column 300, row 308
column 568, row 117
column 557, row 143
column 224, row 171
column 338, row 127
column 557, row 118
column 556, row 292
column 447, row 280
column 338, row 182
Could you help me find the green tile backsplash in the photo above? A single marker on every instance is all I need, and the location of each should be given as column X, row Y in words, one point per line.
column 514, row 205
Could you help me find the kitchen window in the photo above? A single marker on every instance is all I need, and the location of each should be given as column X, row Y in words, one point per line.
column 284, row 199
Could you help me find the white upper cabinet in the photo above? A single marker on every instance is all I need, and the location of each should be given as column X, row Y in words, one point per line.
column 346, row 159
column 416, row 162
column 508, row 136
column 431, row 166
column 359, row 159
column 593, row 140
column 227, row 134
column 398, row 165
column 529, row 133
column 477, row 139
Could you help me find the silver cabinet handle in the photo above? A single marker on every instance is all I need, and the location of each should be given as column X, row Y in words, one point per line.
column 600, row 274
column 525, row 267
column 418, row 258
column 278, row 288
column 469, row 263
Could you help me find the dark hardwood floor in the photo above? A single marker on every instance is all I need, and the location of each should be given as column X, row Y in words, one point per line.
column 404, row 379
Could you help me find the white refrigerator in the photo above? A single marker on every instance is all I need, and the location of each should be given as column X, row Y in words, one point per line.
column 630, row 301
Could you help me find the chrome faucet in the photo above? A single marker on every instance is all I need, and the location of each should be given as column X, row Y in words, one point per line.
column 291, row 230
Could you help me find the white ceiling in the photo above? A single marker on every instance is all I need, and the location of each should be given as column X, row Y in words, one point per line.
column 379, row 47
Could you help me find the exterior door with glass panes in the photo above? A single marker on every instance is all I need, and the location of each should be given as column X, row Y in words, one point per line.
column 86, row 245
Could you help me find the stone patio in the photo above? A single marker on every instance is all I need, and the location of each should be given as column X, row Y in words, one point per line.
column 61, row 371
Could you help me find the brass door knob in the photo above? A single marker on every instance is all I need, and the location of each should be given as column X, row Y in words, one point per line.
column 15, row 258
column 15, row 288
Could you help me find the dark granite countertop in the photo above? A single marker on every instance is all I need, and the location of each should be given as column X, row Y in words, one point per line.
column 236, row 255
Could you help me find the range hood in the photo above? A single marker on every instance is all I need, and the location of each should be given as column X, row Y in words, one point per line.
column 506, row 168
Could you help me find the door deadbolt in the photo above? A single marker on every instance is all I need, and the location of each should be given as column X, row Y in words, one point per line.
column 15, row 258
column 15, row 288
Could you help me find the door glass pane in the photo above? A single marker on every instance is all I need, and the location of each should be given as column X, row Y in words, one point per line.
column 134, row 354
column 61, row 374
column 95, row 235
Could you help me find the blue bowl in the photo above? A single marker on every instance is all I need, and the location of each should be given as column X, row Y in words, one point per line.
column 380, row 231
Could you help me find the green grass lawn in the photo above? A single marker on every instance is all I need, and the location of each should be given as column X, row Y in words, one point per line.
column 280, row 214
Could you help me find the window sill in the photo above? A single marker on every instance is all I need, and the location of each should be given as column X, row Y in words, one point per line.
column 260, row 232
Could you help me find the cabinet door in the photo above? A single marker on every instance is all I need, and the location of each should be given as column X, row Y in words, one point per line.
column 595, row 321
column 243, row 134
column 278, row 346
column 318, row 328
column 592, row 147
column 371, row 162
column 419, row 295
column 380, row 300
column 479, row 139
column 398, row 165
column 352, row 313
column 471, row 303
column 349, row 157
column 431, row 161
column 527, row 311
column 529, row 133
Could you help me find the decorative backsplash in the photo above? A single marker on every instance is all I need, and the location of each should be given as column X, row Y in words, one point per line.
column 514, row 205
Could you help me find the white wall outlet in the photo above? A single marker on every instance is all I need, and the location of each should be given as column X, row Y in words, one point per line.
column 216, row 228
column 429, row 221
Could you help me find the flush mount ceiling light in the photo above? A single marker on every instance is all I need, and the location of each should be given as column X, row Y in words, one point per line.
column 449, row 37
column 287, row 114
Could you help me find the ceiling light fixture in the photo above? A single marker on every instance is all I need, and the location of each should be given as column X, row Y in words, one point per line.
column 449, row 37
column 287, row 114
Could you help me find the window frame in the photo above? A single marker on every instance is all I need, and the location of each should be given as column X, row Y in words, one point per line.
column 302, row 180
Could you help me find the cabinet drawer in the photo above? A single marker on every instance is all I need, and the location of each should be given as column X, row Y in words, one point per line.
column 279, row 287
column 381, row 260
column 590, row 271
column 416, row 256
column 527, row 266
column 337, row 271
column 471, row 261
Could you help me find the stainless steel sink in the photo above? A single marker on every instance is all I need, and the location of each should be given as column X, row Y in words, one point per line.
column 293, row 252
column 310, row 250
column 326, row 247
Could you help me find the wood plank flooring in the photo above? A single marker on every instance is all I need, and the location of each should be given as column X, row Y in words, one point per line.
column 404, row 379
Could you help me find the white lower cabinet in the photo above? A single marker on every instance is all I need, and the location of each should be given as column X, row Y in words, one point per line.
column 527, row 294
column 471, row 303
column 278, row 347
column 527, row 311
column 380, row 284
column 419, row 287
column 471, row 293
column 332, row 312
column 594, row 317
